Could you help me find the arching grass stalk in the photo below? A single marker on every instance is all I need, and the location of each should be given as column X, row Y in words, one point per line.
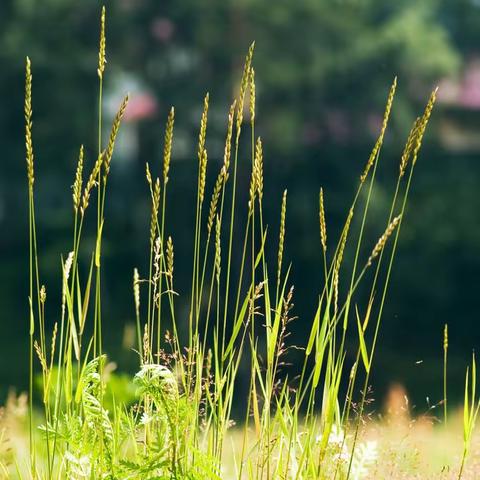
column 418, row 141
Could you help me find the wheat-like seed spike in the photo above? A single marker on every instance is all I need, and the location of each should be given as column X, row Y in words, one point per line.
column 214, row 201
column 335, row 292
column 243, row 89
column 136, row 291
column 411, row 141
column 259, row 168
column 379, row 141
column 102, row 47
column 383, row 239
column 167, row 148
column 91, row 183
column 41, row 357
column 281, row 237
column 218, row 250
column 202, row 152
column 445, row 337
column 155, row 207
column 343, row 240
column 203, row 128
column 228, row 141
column 113, row 135
column 170, row 256
column 203, row 175
column 251, row 84
column 43, row 294
column 148, row 174
column 77, row 185
column 253, row 188
column 52, row 345
column 28, row 124
column 323, row 223
column 423, row 124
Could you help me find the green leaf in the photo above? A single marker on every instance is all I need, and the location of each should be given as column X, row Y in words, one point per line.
column 363, row 347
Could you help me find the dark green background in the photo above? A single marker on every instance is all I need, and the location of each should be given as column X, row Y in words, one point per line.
column 323, row 71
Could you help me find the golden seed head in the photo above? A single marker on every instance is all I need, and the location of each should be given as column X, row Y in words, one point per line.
column 41, row 356
column 202, row 152
column 203, row 128
column 251, row 84
column 228, row 141
column 154, row 214
column 167, row 148
column 423, row 124
column 411, row 141
column 253, row 189
column 281, row 237
column 343, row 240
column 218, row 249
column 258, row 167
column 43, row 294
column 102, row 47
column 77, row 185
column 113, row 135
column 383, row 239
column 28, row 123
column 136, row 291
column 243, row 88
column 445, row 337
column 149, row 177
column 170, row 256
column 91, row 183
column 52, row 346
column 323, row 224
column 379, row 142
column 335, row 292
column 203, row 175
column 214, row 201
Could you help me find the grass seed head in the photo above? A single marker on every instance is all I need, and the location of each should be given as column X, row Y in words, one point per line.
column 423, row 125
column 379, row 142
column 343, row 240
column 155, row 207
column 281, row 237
column 77, row 185
column 43, row 294
column 102, row 60
column 409, row 145
column 259, row 168
column 28, row 123
column 383, row 239
column 167, row 149
column 323, row 224
column 243, row 88
column 170, row 256
column 228, row 141
column 113, row 135
column 251, row 84
column 214, row 201
column 92, row 182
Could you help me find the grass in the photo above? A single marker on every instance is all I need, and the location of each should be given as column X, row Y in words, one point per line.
column 180, row 424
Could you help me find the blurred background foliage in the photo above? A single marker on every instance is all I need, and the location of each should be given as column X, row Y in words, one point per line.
column 323, row 70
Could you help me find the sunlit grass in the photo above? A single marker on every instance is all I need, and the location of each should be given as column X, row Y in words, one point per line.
column 179, row 422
